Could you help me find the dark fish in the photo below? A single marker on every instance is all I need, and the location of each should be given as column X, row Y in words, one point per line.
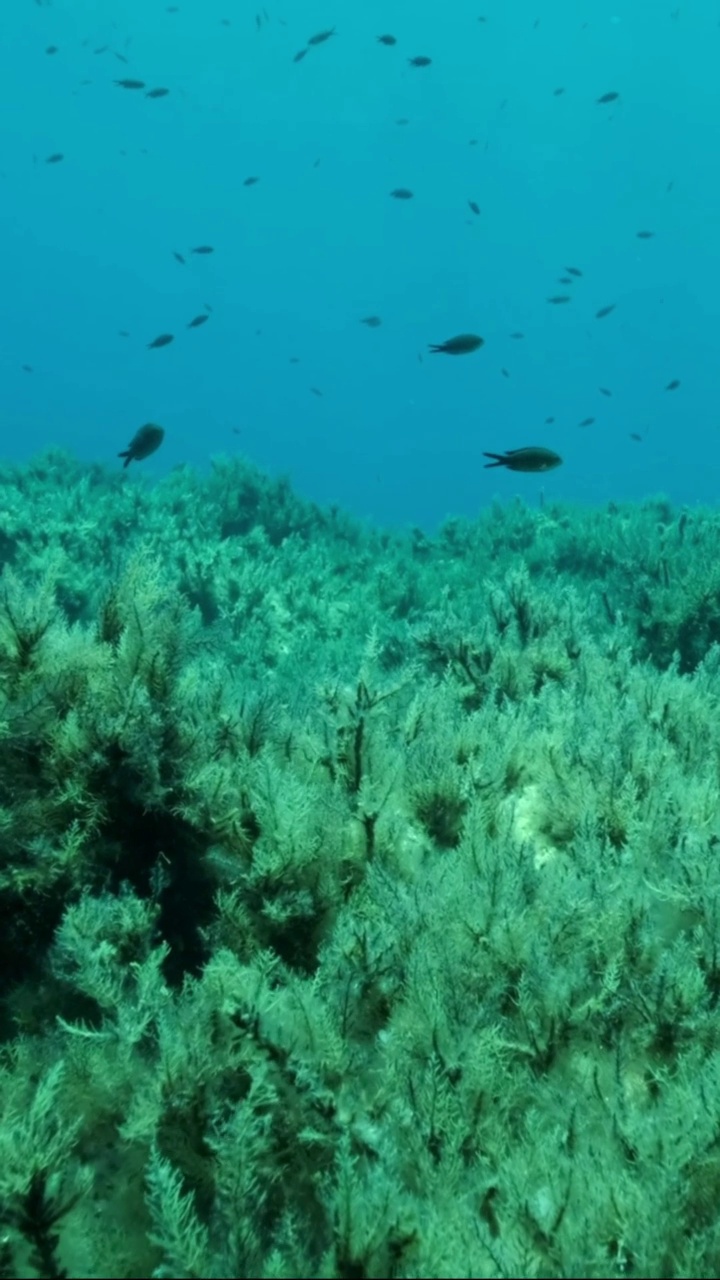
column 157, row 93
column 557, row 93
column 644, row 235
column 55, row 158
column 316, row 391
column 123, row 333
column 634, row 436
column 203, row 248
column 558, row 298
column 130, row 84
column 586, row 422
column 27, row 368
column 565, row 279
column 300, row 55
column 573, row 271
column 52, row 48
column 388, row 40
column 461, row 345
column 673, row 386
column 608, row 97
column 250, row 182
column 549, row 422
column 372, row 322
column 505, row 373
column 402, row 120
column 604, row 311
column 419, row 61
column 604, row 391
column 321, row 37
column 517, row 335
column 402, row 193
column 178, row 257
column 163, row 340
column 533, row 458
column 198, row 320
column 145, row 441
column 474, row 206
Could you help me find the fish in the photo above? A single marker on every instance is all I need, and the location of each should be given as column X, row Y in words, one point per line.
column 604, row 311
column 321, row 37
column 55, row 158
column 162, row 340
column 388, row 40
column 198, row 320
column 645, row 235
column 178, row 257
column 250, row 182
column 300, row 55
column 559, row 298
column 460, row 345
column 203, row 248
column 673, row 386
column 157, row 93
column 401, row 193
column 608, row 97
column 145, row 441
column 130, row 84
column 372, row 322
column 472, row 204
column 604, row 391
column 419, row 61
column 574, row 271
column 586, row 422
column 532, row 458
column 517, row 335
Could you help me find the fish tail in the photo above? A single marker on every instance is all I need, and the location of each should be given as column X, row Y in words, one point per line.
column 126, row 455
column 500, row 460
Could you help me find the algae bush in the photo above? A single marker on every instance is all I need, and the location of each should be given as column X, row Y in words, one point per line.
column 360, row 891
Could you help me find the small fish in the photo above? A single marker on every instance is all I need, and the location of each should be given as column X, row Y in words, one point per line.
column 574, row 271
column 250, row 182
column 198, row 320
column 644, row 235
column 388, row 40
column 557, row 93
column 321, row 37
column 401, row 193
column 402, row 120
column 532, row 458
column 203, row 248
column 162, row 340
column 460, row 345
column 27, row 368
column 300, row 55
column 673, row 386
column 565, row 279
column 558, row 298
column 604, row 311
column 549, row 422
column 178, row 257
column 123, row 333
column 604, row 391
column 634, row 436
column 505, row 373
column 372, row 322
column 52, row 48
column 608, row 97
column 145, row 441
column 586, row 422
column 157, row 93
column 55, row 158
column 130, row 84
column 316, row 391
column 472, row 204
column 517, row 335
column 419, row 61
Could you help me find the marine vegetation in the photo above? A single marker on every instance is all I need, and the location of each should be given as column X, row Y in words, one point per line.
column 360, row 892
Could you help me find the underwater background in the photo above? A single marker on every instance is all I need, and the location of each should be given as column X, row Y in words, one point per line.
column 359, row 807
column 506, row 116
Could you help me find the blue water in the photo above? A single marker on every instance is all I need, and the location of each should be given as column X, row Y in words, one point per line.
column 317, row 243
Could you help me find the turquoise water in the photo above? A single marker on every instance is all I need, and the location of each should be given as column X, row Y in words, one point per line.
column 317, row 243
